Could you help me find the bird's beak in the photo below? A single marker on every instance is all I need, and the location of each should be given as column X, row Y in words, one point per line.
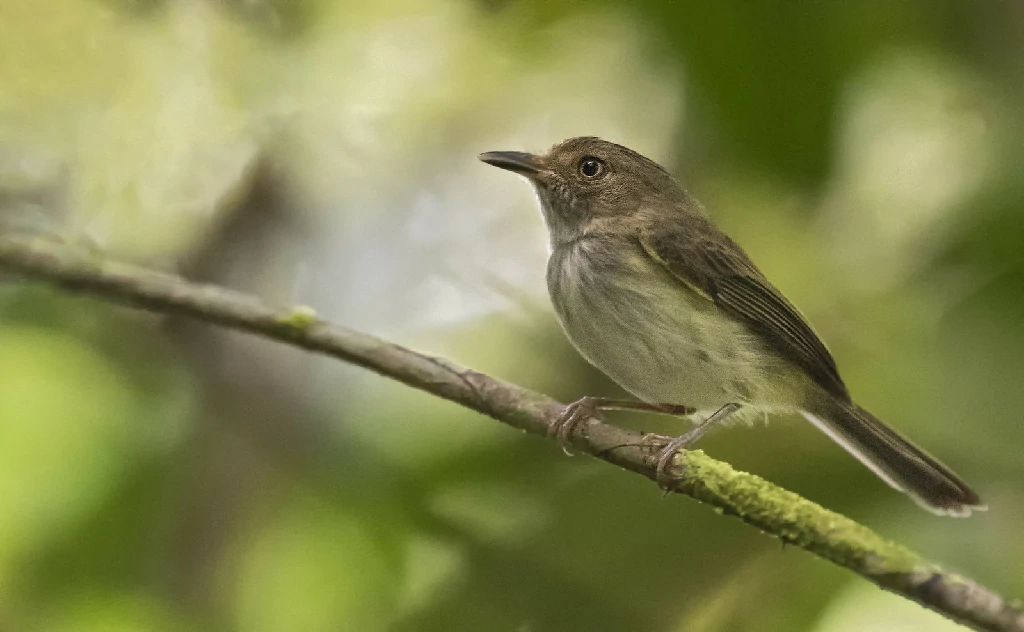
column 528, row 165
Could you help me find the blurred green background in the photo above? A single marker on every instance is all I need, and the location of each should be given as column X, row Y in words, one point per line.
column 158, row 475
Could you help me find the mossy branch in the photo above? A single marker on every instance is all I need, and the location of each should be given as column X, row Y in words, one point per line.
column 775, row 511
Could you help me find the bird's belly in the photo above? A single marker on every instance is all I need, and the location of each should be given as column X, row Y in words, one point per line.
column 654, row 336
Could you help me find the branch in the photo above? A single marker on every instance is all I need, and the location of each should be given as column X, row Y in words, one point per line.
column 775, row 511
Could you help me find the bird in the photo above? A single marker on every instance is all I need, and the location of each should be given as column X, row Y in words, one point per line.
column 654, row 295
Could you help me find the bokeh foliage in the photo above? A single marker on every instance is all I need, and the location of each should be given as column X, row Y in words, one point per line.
column 157, row 475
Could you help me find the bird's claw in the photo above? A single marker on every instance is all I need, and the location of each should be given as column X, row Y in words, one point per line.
column 672, row 446
column 666, row 450
column 569, row 420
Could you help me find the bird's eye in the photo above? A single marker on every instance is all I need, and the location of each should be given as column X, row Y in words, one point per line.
column 591, row 167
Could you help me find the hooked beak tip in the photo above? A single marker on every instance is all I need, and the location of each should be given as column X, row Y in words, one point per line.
column 515, row 161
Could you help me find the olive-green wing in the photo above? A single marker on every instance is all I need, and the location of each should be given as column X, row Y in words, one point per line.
column 715, row 267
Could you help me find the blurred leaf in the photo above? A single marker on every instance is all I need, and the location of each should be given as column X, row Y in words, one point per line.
column 170, row 146
column 431, row 567
column 314, row 568
column 65, row 427
column 58, row 58
column 94, row 612
column 492, row 513
column 154, row 141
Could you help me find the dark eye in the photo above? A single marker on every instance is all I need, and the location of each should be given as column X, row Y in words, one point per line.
column 591, row 167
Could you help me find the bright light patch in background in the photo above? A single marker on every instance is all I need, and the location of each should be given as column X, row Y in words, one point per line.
column 914, row 145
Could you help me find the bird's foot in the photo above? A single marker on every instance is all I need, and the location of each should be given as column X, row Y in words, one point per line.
column 668, row 447
column 664, row 450
column 578, row 412
column 569, row 420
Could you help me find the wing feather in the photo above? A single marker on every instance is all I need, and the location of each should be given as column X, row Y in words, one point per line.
column 714, row 266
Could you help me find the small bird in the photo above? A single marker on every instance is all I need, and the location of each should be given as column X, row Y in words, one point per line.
column 655, row 296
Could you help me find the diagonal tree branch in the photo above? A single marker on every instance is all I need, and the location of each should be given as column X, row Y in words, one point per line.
column 775, row 511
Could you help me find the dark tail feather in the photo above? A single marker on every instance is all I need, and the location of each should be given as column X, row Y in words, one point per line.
column 896, row 460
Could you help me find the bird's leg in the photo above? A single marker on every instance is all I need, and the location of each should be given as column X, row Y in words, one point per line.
column 666, row 454
column 585, row 408
column 676, row 410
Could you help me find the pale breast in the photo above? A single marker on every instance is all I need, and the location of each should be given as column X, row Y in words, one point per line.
column 644, row 329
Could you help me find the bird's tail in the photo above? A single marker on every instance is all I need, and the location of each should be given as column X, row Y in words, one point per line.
column 894, row 459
